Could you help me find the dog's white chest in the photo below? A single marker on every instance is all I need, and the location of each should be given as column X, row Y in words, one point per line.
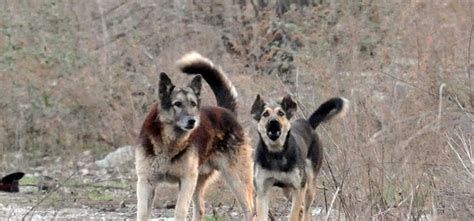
column 265, row 178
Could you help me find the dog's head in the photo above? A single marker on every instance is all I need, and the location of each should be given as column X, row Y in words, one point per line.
column 179, row 106
column 273, row 120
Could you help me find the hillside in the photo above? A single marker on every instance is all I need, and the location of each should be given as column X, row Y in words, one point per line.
column 76, row 79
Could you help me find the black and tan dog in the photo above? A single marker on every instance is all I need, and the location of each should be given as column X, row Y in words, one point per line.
column 289, row 154
column 184, row 143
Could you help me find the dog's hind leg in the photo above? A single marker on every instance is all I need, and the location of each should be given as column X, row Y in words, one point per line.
column 145, row 195
column 242, row 190
column 239, row 176
column 198, row 197
column 309, row 197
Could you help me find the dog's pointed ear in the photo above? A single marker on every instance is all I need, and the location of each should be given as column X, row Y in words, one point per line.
column 165, row 86
column 195, row 84
column 289, row 106
column 257, row 108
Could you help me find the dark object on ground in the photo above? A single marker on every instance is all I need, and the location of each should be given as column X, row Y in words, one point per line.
column 9, row 183
column 46, row 183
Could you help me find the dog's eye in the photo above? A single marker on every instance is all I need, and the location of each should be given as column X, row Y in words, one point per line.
column 193, row 104
column 178, row 104
column 265, row 114
column 281, row 113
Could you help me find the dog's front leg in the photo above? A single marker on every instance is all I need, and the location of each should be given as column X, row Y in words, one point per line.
column 145, row 194
column 262, row 206
column 186, row 189
column 297, row 200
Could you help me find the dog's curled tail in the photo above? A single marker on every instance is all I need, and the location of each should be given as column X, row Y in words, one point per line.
column 224, row 90
column 334, row 107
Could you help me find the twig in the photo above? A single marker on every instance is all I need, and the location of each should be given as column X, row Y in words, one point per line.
column 332, row 202
column 450, row 144
column 469, row 68
column 49, row 194
column 231, row 207
column 440, row 106
column 391, row 208
column 331, row 173
column 255, row 8
column 110, row 10
column 433, row 206
column 325, row 198
column 11, row 213
column 462, row 108
column 107, row 40
column 411, row 203
column 417, row 87
column 424, row 130
column 301, row 107
column 408, row 83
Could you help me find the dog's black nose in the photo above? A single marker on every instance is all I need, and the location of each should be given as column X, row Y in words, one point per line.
column 273, row 121
column 191, row 122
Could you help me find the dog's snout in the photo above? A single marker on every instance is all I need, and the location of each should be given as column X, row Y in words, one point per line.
column 188, row 122
column 273, row 125
column 191, row 122
column 273, row 129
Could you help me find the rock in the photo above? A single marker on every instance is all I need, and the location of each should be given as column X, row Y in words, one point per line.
column 46, row 183
column 84, row 172
column 116, row 158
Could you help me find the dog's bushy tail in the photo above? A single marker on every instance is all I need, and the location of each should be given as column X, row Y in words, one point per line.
column 333, row 107
column 224, row 90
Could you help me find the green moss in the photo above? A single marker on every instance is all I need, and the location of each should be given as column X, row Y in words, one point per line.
column 29, row 180
column 97, row 195
column 215, row 218
column 392, row 195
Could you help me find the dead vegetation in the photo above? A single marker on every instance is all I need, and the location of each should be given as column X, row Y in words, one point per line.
column 78, row 77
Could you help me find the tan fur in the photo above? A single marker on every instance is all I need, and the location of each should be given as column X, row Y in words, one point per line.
column 272, row 111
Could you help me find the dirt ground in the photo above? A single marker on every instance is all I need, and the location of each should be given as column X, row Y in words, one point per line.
column 104, row 189
column 98, row 196
column 96, row 193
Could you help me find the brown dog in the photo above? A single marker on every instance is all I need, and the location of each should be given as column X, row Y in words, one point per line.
column 184, row 143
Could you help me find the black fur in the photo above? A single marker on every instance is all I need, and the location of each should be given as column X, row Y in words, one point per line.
column 289, row 106
column 285, row 160
column 257, row 108
column 301, row 143
column 165, row 88
column 216, row 81
column 195, row 85
column 322, row 113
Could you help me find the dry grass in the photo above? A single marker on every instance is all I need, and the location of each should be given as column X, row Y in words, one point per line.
column 79, row 76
